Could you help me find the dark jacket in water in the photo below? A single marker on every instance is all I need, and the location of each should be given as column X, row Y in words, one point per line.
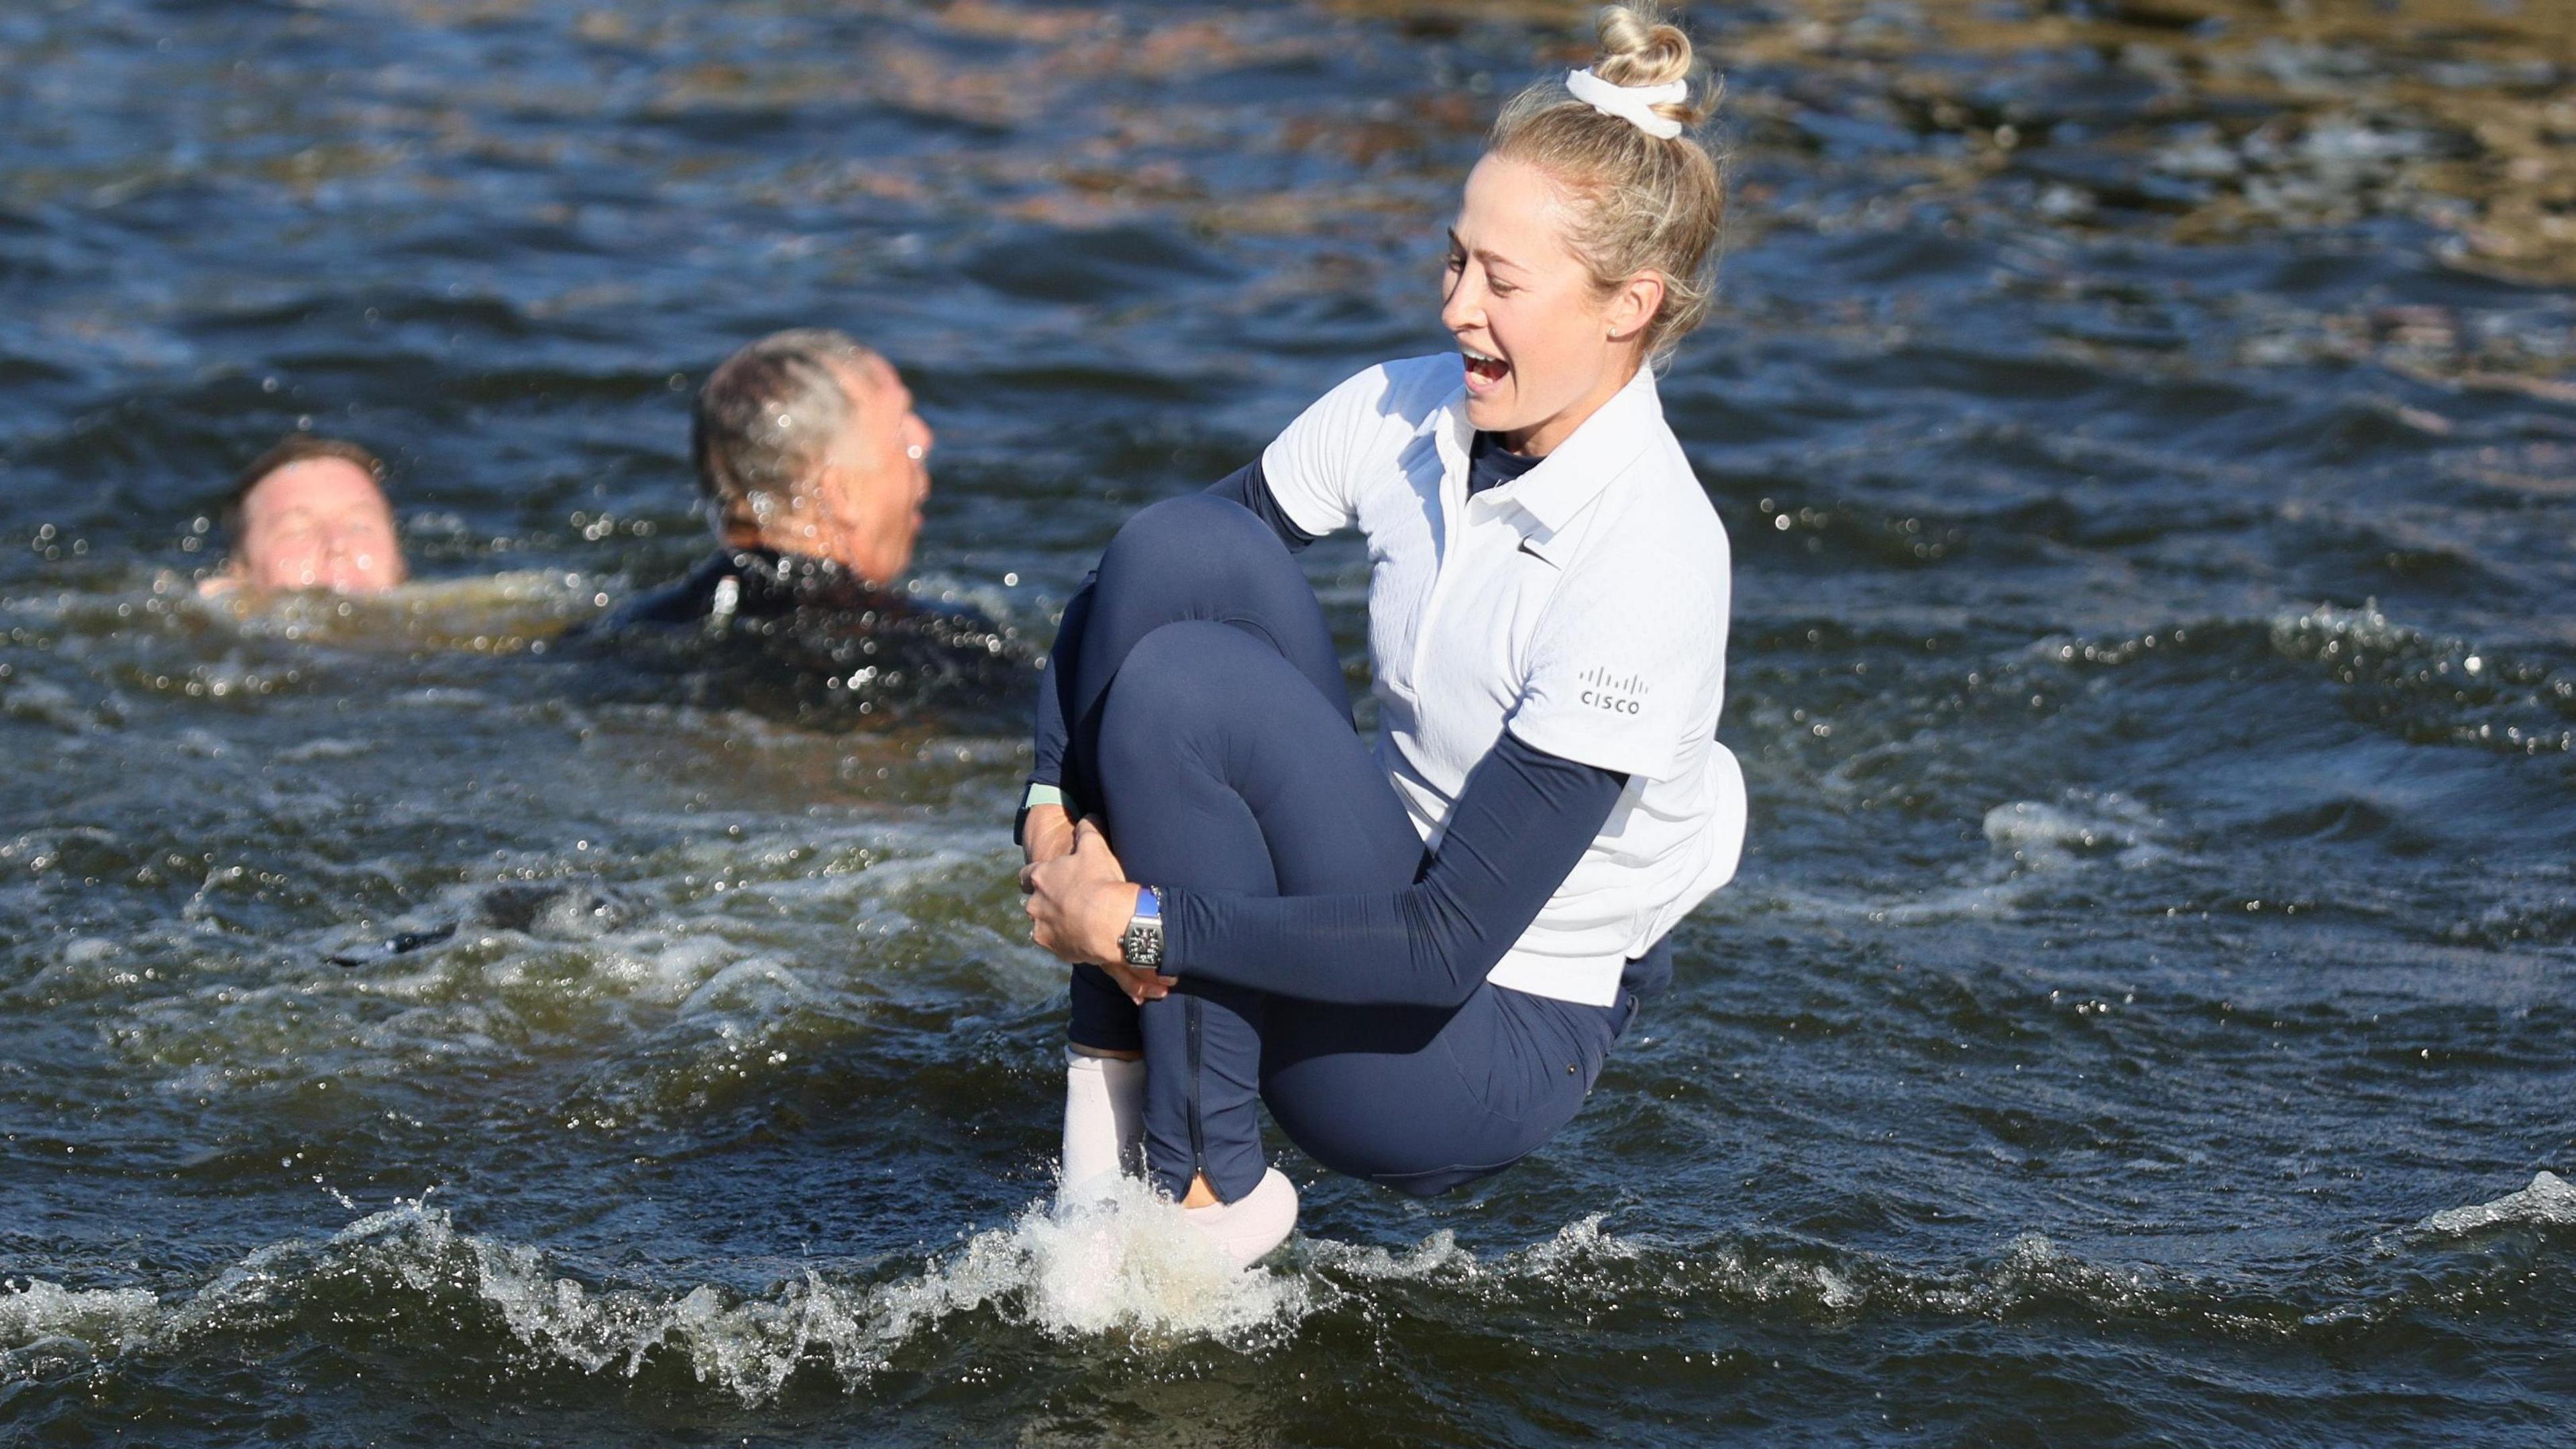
column 754, row 585
column 766, row 630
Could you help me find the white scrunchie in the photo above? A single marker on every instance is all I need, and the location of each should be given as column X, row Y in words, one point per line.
column 1633, row 104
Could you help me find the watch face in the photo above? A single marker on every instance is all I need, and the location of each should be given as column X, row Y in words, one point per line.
column 1143, row 942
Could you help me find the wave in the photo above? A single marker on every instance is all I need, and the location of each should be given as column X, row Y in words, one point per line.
column 1124, row 1265
column 2082, row 826
column 691, row 970
column 2434, row 689
column 37, row 1315
column 2427, row 687
column 1124, row 1269
column 2550, row 1201
column 2043, row 855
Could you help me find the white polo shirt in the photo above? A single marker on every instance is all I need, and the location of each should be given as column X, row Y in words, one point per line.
column 1582, row 605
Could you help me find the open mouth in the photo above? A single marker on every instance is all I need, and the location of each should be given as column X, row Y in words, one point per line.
column 1483, row 369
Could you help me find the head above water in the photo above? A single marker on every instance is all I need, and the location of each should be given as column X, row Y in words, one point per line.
column 311, row 513
column 806, row 443
column 1582, row 249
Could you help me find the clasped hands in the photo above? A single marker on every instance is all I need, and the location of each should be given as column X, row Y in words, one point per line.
column 1080, row 900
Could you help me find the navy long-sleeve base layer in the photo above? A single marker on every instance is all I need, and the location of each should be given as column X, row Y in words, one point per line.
column 1204, row 720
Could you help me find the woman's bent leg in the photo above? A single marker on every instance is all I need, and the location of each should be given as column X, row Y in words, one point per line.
column 1192, row 557
column 1221, row 770
column 1186, row 558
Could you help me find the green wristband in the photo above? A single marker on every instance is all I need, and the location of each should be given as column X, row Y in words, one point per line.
column 1038, row 795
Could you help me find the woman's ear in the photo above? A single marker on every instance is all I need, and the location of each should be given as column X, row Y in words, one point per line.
column 1634, row 305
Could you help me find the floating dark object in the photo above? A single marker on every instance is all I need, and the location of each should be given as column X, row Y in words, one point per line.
column 583, row 909
column 397, row 945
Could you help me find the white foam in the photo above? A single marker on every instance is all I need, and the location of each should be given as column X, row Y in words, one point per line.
column 2080, row 826
column 1435, row 1256
column 1125, row 1265
column 1579, row 1246
column 1124, row 1261
column 2307, row 635
column 2550, row 1201
column 1583, row 1256
column 41, row 701
column 37, row 1312
column 759, row 986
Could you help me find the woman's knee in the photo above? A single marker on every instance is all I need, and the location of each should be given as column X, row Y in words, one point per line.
column 1198, row 551
column 1190, row 526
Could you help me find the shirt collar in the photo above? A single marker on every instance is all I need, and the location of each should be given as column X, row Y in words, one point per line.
column 1568, row 479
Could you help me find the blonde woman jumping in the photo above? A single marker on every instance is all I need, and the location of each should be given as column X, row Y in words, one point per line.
column 1417, row 950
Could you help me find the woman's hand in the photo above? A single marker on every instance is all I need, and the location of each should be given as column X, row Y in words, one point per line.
column 1079, row 905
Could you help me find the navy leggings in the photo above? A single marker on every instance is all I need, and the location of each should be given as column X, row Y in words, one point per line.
column 1210, row 732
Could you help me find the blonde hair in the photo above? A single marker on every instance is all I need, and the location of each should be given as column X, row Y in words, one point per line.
column 1640, row 204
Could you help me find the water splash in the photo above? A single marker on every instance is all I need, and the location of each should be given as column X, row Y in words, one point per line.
column 1125, row 1262
column 1125, row 1265
column 38, row 1313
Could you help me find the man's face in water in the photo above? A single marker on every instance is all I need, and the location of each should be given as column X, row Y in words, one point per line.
column 870, row 492
column 317, row 523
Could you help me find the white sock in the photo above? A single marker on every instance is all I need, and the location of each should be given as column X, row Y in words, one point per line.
column 1104, row 1122
column 1246, row 1229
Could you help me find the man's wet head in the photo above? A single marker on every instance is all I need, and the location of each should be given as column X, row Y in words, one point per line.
column 311, row 513
column 806, row 443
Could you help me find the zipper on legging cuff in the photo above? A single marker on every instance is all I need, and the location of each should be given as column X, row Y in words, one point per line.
column 1198, row 1131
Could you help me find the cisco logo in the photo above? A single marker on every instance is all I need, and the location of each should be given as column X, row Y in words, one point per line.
column 1618, row 694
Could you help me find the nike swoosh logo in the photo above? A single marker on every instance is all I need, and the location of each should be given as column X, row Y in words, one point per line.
column 1533, row 553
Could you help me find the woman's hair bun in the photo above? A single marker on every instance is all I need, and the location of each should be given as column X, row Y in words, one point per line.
column 1638, row 48
column 1640, row 201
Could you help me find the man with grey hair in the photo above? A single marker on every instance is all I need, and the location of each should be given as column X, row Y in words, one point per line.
column 814, row 468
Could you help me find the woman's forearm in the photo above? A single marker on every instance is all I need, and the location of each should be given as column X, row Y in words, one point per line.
column 1518, row 829
column 1050, row 733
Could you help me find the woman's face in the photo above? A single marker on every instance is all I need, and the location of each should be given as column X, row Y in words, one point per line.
column 1544, row 349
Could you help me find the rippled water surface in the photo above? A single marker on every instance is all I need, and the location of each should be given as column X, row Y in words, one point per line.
column 2148, row 433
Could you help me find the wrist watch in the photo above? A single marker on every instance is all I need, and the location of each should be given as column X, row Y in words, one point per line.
column 1143, row 940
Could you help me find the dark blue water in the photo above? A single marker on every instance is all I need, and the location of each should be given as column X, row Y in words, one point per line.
column 2148, row 435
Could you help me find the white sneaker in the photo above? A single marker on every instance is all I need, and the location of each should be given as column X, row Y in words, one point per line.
column 1246, row 1229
